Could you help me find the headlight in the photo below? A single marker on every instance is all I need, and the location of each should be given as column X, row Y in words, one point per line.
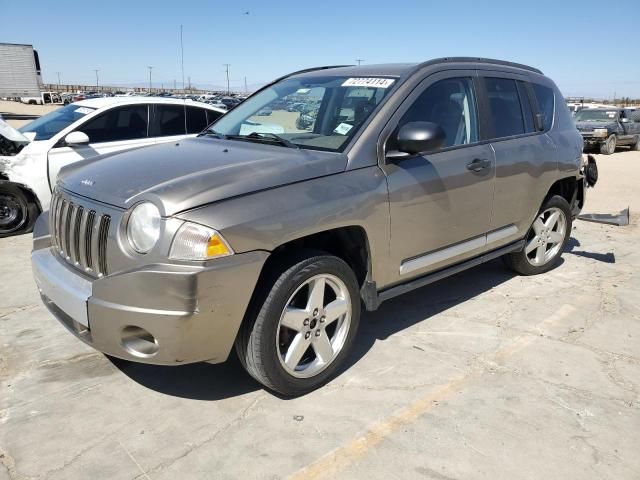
column 143, row 227
column 197, row 242
column 600, row 132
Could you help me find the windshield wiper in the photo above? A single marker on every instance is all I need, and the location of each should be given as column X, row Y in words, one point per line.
column 273, row 137
column 213, row 133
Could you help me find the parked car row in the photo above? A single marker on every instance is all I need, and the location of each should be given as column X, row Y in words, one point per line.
column 269, row 235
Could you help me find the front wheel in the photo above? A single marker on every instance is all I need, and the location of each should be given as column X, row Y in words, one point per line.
column 304, row 328
column 636, row 145
column 609, row 147
column 17, row 213
column 545, row 240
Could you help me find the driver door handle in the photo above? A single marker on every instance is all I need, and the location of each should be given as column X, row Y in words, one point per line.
column 478, row 164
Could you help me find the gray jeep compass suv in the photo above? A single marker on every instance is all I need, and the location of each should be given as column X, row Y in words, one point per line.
column 271, row 234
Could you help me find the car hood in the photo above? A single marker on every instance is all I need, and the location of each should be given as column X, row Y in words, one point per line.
column 592, row 125
column 194, row 172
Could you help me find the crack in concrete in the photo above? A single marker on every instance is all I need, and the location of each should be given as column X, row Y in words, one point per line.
column 192, row 448
column 18, row 309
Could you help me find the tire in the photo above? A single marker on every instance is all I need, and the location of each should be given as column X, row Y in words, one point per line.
column 636, row 145
column 545, row 241
column 609, row 146
column 284, row 358
column 18, row 213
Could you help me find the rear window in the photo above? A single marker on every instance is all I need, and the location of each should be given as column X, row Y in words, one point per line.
column 545, row 101
column 212, row 116
column 196, row 119
column 506, row 111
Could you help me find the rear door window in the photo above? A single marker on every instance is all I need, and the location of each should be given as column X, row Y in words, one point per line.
column 117, row 124
column 545, row 101
column 169, row 120
column 506, row 112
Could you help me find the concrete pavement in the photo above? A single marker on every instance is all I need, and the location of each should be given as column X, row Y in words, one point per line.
column 485, row 375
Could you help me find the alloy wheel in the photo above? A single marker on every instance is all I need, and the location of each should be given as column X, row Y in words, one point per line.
column 314, row 326
column 546, row 237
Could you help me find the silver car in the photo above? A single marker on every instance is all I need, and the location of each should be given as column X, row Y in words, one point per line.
column 272, row 234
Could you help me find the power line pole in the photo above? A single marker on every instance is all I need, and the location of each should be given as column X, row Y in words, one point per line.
column 359, row 60
column 58, row 73
column 150, row 67
column 174, row 83
column 96, row 70
column 189, row 78
column 246, row 90
column 227, row 65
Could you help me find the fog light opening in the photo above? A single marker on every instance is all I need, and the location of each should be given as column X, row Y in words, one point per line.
column 137, row 341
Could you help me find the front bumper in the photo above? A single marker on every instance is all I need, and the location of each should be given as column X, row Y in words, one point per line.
column 160, row 314
column 590, row 139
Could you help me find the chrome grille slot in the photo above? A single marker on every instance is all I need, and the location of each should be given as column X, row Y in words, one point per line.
column 80, row 235
column 87, row 239
column 76, row 235
column 102, row 244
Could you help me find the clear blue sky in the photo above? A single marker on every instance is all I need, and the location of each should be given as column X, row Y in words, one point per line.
column 587, row 47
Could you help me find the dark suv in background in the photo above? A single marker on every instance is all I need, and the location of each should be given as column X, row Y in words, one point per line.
column 272, row 234
column 607, row 128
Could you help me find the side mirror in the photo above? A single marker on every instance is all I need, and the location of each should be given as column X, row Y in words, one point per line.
column 418, row 137
column 624, row 120
column 74, row 139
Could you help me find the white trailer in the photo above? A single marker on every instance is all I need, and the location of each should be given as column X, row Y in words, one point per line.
column 19, row 71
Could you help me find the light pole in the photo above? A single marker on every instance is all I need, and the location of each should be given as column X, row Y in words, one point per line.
column 96, row 70
column 359, row 60
column 227, row 65
column 58, row 73
column 150, row 67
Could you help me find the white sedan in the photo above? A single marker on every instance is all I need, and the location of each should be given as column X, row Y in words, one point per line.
column 31, row 158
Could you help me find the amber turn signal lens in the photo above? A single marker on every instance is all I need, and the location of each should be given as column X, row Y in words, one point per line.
column 216, row 246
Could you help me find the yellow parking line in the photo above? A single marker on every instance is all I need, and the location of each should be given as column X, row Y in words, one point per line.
column 342, row 457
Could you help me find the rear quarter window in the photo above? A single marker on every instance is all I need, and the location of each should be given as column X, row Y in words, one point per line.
column 546, row 103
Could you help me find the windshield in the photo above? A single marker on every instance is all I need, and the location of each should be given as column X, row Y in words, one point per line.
column 48, row 125
column 596, row 115
column 321, row 113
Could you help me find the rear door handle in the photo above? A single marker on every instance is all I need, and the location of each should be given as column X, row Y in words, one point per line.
column 478, row 164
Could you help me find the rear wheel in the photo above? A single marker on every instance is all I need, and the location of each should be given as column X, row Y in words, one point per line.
column 17, row 212
column 545, row 240
column 304, row 328
column 609, row 146
column 636, row 145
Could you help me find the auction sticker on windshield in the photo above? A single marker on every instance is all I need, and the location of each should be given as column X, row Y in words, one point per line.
column 84, row 110
column 368, row 82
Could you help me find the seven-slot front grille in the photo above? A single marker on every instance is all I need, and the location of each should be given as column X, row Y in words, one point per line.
column 79, row 235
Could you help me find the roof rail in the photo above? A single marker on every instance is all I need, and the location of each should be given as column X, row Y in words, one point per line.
column 476, row 60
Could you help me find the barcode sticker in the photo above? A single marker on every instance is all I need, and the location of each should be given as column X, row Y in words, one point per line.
column 368, row 82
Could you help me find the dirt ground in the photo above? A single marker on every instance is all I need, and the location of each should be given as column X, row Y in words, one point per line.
column 485, row 375
column 18, row 114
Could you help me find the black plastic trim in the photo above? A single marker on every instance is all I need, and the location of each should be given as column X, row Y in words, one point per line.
column 447, row 272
